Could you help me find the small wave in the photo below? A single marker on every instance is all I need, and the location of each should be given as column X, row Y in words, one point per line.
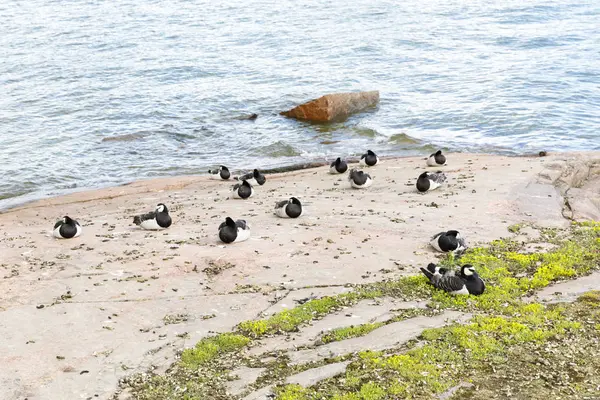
column 277, row 149
column 403, row 138
column 362, row 131
column 539, row 42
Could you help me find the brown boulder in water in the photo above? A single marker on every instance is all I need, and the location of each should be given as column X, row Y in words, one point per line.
column 336, row 106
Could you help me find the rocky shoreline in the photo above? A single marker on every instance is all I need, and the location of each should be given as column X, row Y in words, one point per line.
column 118, row 301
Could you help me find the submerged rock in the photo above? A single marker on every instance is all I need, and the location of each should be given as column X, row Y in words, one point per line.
column 123, row 138
column 335, row 106
column 247, row 117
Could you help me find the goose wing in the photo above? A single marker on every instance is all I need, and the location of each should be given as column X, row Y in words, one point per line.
column 437, row 177
column 138, row 219
column 281, row 204
column 449, row 283
column 246, row 176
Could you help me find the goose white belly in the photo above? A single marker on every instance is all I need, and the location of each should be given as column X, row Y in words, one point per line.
column 436, row 244
column 464, row 290
column 280, row 212
column 431, row 161
column 332, row 170
column 56, row 233
column 151, row 225
column 434, row 185
column 368, row 183
column 242, row 234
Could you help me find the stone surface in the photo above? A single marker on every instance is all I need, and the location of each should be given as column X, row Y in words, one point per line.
column 541, row 202
column 568, row 291
column 364, row 312
column 245, row 377
column 386, row 337
column 447, row 395
column 577, row 178
column 295, row 297
column 584, row 202
column 106, row 294
column 334, row 107
column 108, row 339
column 313, row 376
column 261, row 394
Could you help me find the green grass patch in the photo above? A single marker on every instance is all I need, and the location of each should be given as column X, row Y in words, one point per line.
column 515, row 228
column 458, row 353
column 350, row 332
column 503, row 331
column 592, row 296
column 209, row 348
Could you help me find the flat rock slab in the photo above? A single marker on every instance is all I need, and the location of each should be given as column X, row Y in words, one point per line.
column 584, row 203
column 541, row 202
column 116, row 268
column 577, row 178
column 313, row 376
column 297, row 297
column 83, row 349
column 366, row 311
column 386, row 337
column 245, row 377
column 262, row 394
column 568, row 291
column 334, row 107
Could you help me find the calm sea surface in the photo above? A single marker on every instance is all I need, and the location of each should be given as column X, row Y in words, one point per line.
column 479, row 75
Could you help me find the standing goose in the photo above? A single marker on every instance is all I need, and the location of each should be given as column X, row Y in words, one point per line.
column 254, row 178
column 233, row 231
column 468, row 282
column 430, row 181
column 221, row 173
column 242, row 190
column 359, row 179
column 291, row 208
column 66, row 228
column 158, row 219
column 339, row 166
column 436, row 159
column 369, row 159
column 451, row 241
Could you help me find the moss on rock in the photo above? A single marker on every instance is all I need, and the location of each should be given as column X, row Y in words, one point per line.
column 506, row 335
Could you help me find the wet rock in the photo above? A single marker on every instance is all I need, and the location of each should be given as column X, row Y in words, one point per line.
column 247, row 117
column 334, row 107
